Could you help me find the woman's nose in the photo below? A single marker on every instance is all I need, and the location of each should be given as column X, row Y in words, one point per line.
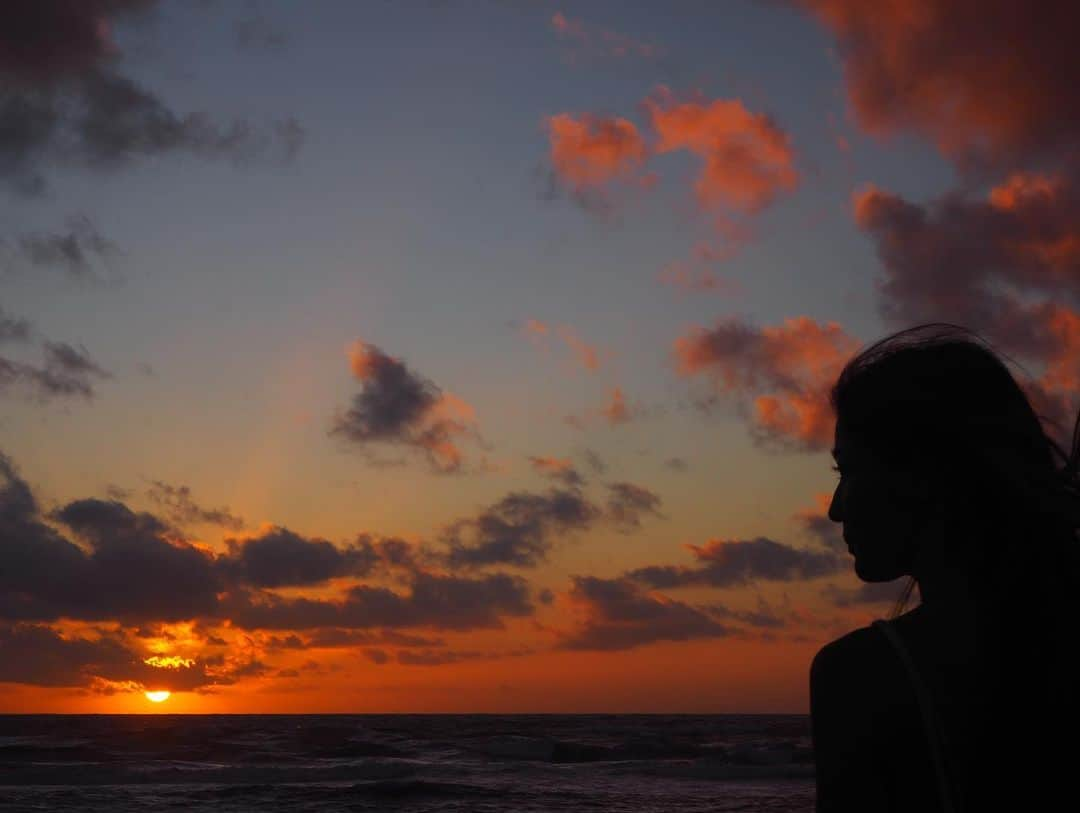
column 835, row 507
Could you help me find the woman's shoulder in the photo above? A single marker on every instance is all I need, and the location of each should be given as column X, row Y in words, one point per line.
column 861, row 646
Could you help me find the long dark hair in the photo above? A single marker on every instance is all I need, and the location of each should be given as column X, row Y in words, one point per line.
column 940, row 399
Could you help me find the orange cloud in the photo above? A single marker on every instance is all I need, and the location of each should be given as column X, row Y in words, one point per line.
column 748, row 159
column 552, row 465
column 585, row 354
column 558, row 468
column 601, row 41
column 1007, row 265
column 779, row 376
column 589, row 152
column 695, row 275
column 939, row 68
column 614, row 411
column 532, row 326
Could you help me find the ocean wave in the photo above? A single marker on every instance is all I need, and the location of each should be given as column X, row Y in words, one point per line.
column 548, row 749
column 180, row 772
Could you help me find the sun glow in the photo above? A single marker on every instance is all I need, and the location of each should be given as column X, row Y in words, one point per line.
column 158, row 697
column 168, row 662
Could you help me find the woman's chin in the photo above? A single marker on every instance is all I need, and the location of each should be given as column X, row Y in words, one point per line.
column 876, row 571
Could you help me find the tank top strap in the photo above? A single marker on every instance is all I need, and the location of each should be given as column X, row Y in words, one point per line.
column 932, row 725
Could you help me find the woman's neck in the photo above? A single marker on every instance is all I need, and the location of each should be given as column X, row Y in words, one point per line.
column 944, row 588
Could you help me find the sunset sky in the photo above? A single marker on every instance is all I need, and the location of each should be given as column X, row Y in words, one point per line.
column 473, row 356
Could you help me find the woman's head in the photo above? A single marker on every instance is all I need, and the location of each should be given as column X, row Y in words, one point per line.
column 938, row 445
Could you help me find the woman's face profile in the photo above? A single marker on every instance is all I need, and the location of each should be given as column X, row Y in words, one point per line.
column 879, row 508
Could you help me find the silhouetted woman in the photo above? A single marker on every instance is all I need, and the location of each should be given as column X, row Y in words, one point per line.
column 947, row 475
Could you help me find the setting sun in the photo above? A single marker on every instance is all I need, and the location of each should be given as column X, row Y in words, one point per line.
column 158, row 697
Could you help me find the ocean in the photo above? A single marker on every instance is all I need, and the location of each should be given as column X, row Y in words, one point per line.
column 410, row 762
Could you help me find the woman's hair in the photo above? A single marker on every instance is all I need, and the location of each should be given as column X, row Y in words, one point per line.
column 939, row 400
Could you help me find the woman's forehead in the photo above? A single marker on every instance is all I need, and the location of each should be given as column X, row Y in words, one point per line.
column 845, row 444
column 841, row 440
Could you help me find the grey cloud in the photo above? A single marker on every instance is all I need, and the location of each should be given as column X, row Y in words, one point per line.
column 66, row 373
column 627, row 503
column 519, row 529
column 281, row 558
column 182, row 508
column 79, row 249
column 398, row 407
column 14, row 329
column 64, row 103
column 620, row 615
column 434, row 601
column 740, row 562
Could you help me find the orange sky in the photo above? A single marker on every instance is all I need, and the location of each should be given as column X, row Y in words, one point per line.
column 488, row 373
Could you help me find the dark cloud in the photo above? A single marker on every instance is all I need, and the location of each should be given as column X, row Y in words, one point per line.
column 763, row 617
column 122, row 121
column 519, row 529
column 397, row 407
column 177, row 501
column 281, row 558
column 104, row 121
column 396, row 638
column 627, row 503
column 40, row 656
column 14, row 328
column 63, row 101
column 735, row 563
column 433, row 601
column 677, row 464
column 257, row 32
column 438, row 657
column 377, row 656
column 331, row 638
column 395, row 553
column 42, row 41
column 595, row 462
column 114, row 492
column 69, row 361
column 79, row 249
column 125, row 569
column 621, row 615
column 253, row 667
column 291, row 641
column 67, row 372
column 136, row 568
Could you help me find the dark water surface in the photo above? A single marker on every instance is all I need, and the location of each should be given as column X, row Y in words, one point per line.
column 605, row 762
